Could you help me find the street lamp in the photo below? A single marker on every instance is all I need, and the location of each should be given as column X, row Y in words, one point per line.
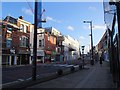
column 83, row 54
column 37, row 24
column 92, row 61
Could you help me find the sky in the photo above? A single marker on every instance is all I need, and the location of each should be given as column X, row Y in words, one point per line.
column 67, row 17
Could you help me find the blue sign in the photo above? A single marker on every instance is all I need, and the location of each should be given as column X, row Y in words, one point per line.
column 8, row 43
column 39, row 14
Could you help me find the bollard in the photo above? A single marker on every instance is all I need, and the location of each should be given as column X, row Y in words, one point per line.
column 59, row 71
column 72, row 69
column 80, row 67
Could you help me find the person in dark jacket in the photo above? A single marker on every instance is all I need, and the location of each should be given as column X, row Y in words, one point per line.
column 101, row 59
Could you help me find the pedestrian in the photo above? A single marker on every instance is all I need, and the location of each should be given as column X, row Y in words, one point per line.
column 101, row 59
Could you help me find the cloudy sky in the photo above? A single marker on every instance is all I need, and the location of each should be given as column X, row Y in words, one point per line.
column 67, row 17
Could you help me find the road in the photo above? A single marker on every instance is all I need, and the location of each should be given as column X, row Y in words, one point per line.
column 24, row 72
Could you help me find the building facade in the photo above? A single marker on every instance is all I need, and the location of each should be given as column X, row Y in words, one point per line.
column 103, row 47
column 71, row 48
column 59, row 40
column 46, row 46
column 15, row 41
column 112, row 21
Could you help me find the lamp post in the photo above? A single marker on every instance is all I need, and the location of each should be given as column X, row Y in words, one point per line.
column 90, row 22
column 37, row 24
column 83, row 54
column 35, row 43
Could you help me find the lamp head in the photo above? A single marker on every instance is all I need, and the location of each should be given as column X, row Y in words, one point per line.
column 82, row 47
column 84, row 21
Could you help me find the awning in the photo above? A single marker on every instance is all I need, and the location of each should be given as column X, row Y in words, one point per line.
column 48, row 52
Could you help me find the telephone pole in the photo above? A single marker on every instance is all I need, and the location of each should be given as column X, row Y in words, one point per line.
column 92, row 61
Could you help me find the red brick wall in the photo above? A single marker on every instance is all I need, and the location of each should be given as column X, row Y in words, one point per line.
column 50, row 44
column 16, row 42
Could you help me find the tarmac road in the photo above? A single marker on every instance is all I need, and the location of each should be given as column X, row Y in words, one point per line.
column 24, row 72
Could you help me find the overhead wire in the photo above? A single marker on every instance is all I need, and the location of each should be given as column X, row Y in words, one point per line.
column 30, row 7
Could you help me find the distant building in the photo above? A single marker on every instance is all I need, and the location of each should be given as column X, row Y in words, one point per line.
column 103, row 47
column 71, row 48
column 59, row 43
column 53, row 31
column 46, row 45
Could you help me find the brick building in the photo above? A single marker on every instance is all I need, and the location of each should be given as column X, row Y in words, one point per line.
column 46, row 45
column 15, row 41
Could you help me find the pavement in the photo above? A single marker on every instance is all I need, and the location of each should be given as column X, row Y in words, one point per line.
column 95, row 76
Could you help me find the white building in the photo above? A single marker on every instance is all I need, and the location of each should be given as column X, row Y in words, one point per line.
column 53, row 31
column 71, row 48
column 67, row 48
column 40, row 44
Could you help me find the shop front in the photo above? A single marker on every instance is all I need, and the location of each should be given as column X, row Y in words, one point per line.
column 40, row 56
column 8, row 57
column 23, row 57
column 53, row 56
column 48, row 56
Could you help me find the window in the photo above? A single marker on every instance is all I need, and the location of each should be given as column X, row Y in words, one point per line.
column 24, row 41
column 27, row 42
column 53, row 39
column 40, row 35
column 40, row 43
column 22, row 28
column 59, row 49
column 48, row 37
column 27, row 29
column 8, row 35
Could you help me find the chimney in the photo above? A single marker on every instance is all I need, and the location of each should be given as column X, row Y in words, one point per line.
column 21, row 17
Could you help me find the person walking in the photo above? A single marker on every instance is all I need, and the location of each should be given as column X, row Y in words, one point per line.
column 101, row 60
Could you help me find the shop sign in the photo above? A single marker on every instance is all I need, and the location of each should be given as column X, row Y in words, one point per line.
column 40, row 53
column 8, row 43
column 53, row 53
column 12, row 51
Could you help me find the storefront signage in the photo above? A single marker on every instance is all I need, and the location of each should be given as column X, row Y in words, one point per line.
column 12, row 51
column 8, row 43
column 39, row 53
